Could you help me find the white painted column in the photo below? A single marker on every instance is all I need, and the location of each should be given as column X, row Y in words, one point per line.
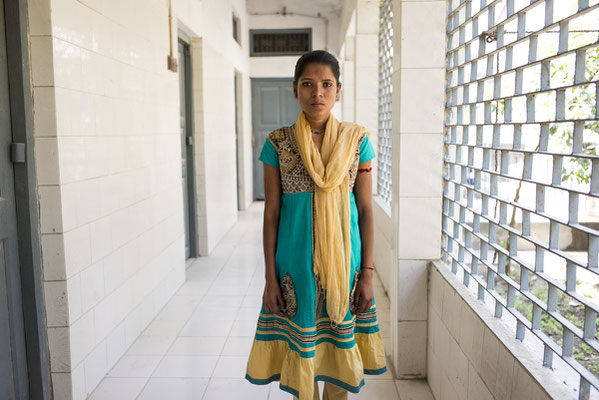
column 366, row 82
column 418, row 102
column 348, row 81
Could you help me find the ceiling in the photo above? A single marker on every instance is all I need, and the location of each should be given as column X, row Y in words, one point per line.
column 309, row 7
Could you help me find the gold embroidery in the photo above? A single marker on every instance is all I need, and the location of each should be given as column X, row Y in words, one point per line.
column 352, row 307
column 318, row 306
column 365, row 316
column 289, row 295
column 321, row 329
column 294, row 176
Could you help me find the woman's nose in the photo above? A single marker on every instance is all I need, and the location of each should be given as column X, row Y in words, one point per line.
column 317, row 90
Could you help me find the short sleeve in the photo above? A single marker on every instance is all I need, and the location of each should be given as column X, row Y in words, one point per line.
column 269, row 155
column 366, row 150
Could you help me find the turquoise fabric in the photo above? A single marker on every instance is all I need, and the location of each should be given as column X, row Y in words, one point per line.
column 284, row 345
column 269, row 156
column 294, row 242
column 366, row 150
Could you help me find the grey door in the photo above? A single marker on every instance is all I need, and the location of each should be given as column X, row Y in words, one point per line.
column 13, row 364
column 187, row 172
column 273, row 106
column 236, row 89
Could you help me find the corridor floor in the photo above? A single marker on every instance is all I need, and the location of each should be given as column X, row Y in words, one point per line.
column 197, row 346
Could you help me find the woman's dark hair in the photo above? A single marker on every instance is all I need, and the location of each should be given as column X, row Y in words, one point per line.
column 316, row 57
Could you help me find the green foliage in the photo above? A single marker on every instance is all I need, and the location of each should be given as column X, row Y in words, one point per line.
column 580, row 105
column 582, row 353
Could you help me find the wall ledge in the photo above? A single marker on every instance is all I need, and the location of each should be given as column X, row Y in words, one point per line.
column 378, row 200
column 546, row 378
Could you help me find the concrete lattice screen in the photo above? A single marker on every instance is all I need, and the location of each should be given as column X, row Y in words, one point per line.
column 522, row 172
column 385, row 132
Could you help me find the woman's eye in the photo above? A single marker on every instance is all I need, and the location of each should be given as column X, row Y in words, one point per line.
column 305, row 83
column 327, row 84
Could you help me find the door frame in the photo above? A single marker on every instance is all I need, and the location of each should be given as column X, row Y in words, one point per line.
column 237, row 82
column 191, row 165
column 28, row 234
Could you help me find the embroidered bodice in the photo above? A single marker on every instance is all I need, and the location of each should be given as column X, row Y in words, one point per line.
column 294, row 176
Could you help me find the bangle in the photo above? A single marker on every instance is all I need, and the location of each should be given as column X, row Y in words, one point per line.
column 365, row 170
column 372, row 268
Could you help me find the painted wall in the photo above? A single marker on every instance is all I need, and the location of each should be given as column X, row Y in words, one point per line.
column 283, row 67
column 109, row 167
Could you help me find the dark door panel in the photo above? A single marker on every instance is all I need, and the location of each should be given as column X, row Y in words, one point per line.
column 273, row 106
column 13, row 362
column 187, row 164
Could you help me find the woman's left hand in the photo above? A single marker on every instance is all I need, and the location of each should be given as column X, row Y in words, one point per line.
column 364, row 291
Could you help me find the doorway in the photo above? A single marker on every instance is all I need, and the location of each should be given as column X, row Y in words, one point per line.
column 238, row 155
column 24, row 355
column 273, row 107
column 13, row 363
column 187, row 160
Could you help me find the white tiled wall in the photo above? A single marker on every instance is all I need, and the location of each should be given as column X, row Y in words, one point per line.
column 215, row 144
column 471, row 356
column 109, row 168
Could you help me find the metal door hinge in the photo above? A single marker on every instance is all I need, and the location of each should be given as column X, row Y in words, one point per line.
column 17, row 152
column 189, row 140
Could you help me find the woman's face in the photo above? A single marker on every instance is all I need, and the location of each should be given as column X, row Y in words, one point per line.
column 316, row 91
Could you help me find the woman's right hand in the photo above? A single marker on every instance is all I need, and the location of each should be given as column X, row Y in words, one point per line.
column 273, row 298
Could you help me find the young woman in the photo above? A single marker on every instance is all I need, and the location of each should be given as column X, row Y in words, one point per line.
column 318, row 319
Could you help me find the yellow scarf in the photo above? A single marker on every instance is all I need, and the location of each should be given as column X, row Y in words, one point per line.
column 329, row 170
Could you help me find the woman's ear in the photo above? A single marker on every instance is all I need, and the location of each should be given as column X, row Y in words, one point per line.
column 338, row 90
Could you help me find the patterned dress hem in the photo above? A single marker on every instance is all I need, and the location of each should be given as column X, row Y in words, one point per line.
column 318, row 378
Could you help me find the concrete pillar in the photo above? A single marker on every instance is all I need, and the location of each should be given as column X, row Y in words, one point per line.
column 348, row 89
column 418, row 107
column 366, row 81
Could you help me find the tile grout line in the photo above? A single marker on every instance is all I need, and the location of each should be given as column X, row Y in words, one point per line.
column 186, row 321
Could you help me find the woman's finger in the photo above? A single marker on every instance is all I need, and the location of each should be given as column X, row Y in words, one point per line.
column 365, row 306
column 369, row 305
column 362, row 306
column 357, row 295
column 278, row 312
column 281, row 304
column 275, row 310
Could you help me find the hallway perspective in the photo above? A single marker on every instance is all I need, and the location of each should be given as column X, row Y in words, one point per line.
column 197, row 346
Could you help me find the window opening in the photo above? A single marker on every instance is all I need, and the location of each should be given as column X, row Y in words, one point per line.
column 385, row 134
column 280, row 42
column 521, row 172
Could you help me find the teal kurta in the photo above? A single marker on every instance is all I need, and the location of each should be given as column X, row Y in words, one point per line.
column 307, row 325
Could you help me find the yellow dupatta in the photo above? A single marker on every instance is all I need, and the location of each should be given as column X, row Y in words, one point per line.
column 329, row 169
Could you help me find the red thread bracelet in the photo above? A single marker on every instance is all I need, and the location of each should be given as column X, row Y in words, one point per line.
column 365, row 169
column 372, row 268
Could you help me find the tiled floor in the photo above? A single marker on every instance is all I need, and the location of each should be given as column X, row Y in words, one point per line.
column 197, row 346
